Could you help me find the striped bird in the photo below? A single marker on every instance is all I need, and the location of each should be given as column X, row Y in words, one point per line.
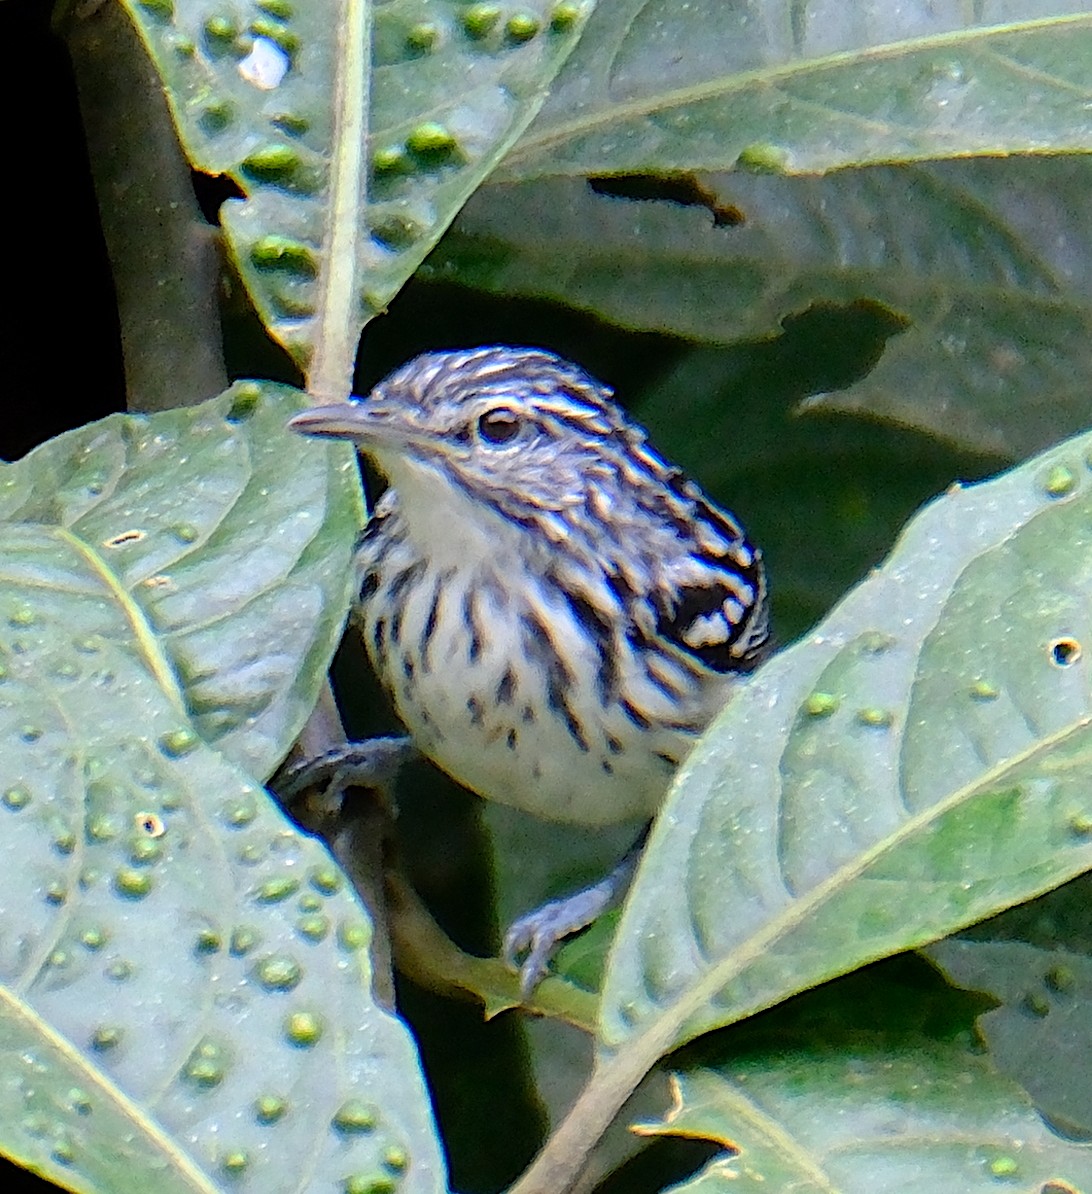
column 556, row 611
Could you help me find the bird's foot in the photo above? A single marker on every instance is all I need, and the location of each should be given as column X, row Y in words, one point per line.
column 372, row 763
column 532, row 939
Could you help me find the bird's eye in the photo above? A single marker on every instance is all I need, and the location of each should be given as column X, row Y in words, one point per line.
column 499, row 426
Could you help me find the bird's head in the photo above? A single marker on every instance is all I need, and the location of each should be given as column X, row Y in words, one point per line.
column 518, row 429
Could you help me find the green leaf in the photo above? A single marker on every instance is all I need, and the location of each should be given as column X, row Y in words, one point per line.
column 1034, row 961
column 917, row 763
column 985, row 265
column 221, row 541
column 657, row 85
column 356, row 131
column 862, row 1096
column 184, row 989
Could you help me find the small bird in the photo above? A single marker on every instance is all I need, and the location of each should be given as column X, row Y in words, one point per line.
column 556, row 611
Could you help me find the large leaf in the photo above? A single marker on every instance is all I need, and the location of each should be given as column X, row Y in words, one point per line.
column 806, row 87
column 184, row 986
column 355, row 129
column 914, row 765
column 221, row 540
column 987, row 264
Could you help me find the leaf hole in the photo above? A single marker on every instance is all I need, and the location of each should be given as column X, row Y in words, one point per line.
column 150, row 824
column 1064, row 652
column 125, row 537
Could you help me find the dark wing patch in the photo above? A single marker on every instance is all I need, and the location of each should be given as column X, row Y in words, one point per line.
column 722, row 619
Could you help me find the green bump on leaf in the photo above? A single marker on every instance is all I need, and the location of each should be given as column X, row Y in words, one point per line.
column 1060, row 480
column 880, row 719
column 282, row 252
column 274, row 891
column 1036, row 1004
column 395, row 1159
column 243, row 940
column 94, row 938
column 270, row 1108
column 1061, row 979
column 119, row 970
column 207, row 1065
column 221, row 30
column 353, row 937
column 1004, row 1167
column 431, row 142
column 821, row 704
column 132, row 884
column 163, row 10
column 24, row 615
column 763, row 159
column 522, row 27
column 16, row 798
column 326, row 879
column 105, row 1038
column 479, row 20
column 215, row 116
column 564, row 17
column 355, row 1116
column 423, row 37
column 983, row 690
column 279, row 973
column 240, row 813
column 208, row 942
column 281, row 9
column 314, row 927
column 235, row 1162
column 359, row 1183
column 272, row 162
column 291, row 122
column 178, row 743
column 391, row 159
column 303, row 1029
column 245, row 398
column 144, row 851
column 63, row 1151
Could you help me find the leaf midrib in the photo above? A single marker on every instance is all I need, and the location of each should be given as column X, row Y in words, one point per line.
column 147, row 641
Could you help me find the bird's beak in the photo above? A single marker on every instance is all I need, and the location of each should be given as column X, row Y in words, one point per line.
column 367, row 423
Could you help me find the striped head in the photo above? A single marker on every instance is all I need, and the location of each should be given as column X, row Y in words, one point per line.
column 530, row 444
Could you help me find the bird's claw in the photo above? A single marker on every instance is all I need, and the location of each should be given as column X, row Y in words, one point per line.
column 372, row 763
column 532, row 939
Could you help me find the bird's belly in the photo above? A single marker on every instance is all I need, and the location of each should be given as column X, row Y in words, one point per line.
column 531, row 731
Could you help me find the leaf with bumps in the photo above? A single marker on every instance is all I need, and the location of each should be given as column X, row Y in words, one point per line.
column 863, row 1086
column 184, row 987
column 1034, row 963
column 355, row 130
column 810, row 86
column 230, row 571
column 915, row 764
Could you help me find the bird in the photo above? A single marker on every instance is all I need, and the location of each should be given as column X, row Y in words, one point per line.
column 556, row 612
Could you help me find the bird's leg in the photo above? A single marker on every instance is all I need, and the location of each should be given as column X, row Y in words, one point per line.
column 372, row 763
column 532, row 939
